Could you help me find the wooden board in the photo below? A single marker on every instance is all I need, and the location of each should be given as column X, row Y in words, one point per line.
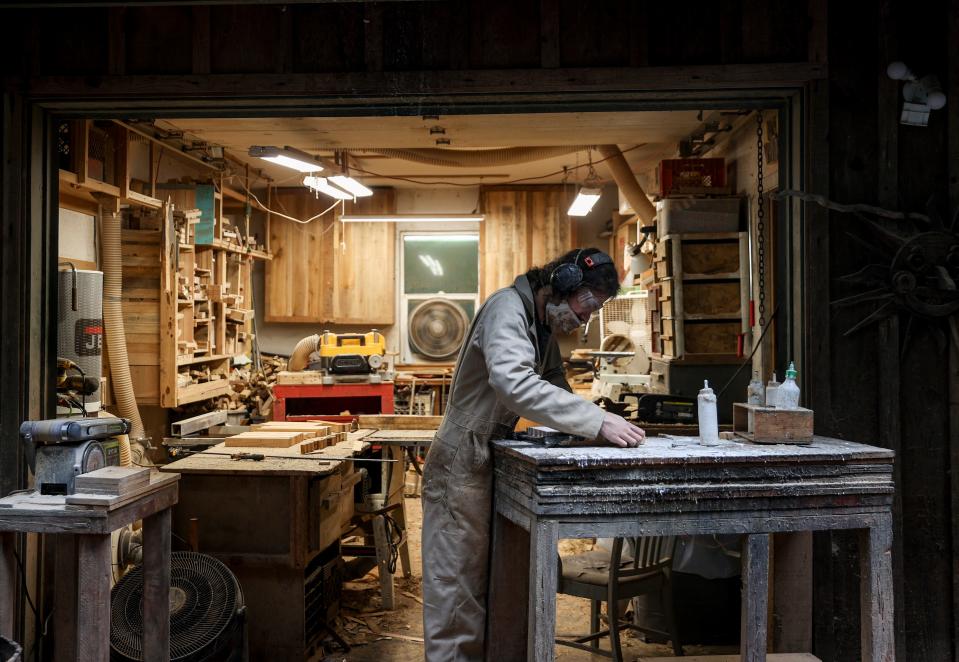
column 112, row 502
column 363, row 282
column 424, row 436
column 398, row 422
column 266, row 439
column 771, row 657
column 291, row 426
column 287, row 377
column 113, row 480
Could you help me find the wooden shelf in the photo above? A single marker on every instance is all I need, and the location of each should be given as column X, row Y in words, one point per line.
column 239, row 250
column 90, row 186
column 182, row 361
column 202, row 391
column 716, row 317
column 728, row 276
column 135, row 198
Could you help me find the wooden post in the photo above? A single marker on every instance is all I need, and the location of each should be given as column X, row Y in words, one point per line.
column 8, row 584
column 755, row 597
column 542, row 591
column 81, row 149
column 507, row 626
column 156, row 586
column 876, row 592
column 93, row 604
column 382, row 561
column 952, row 92
column 65, row 598
column 792, row 592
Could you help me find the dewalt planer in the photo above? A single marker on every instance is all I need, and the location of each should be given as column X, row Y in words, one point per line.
column 351, row 353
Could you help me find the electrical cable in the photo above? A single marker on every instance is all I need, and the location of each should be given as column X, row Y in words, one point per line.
column 749, row 358
column 291, row 218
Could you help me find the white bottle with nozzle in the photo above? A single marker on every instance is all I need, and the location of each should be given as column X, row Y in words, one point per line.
column 771, row 388
column 787, row 395
column 755, row 394
column 708, row 417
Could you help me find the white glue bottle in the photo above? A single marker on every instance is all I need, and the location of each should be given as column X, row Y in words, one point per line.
column 708, row 418
column 771, row 388
column 755, row 395
column 787, row 395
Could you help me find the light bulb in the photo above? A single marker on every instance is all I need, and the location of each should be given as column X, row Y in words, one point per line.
column 936, row 100
column 899, row 71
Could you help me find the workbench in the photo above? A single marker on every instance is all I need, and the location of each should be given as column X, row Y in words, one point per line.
column 675, row 486
column 276, row 523
column 83, row 566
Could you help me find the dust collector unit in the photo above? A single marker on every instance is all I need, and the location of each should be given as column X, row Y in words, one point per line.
column 207, row 612
column 80, row 324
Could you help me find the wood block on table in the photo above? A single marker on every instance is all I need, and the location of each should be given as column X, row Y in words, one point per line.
column 316, row 427
column 113, row 480
column 400, row 422
column 769, row 425
column 266, row 439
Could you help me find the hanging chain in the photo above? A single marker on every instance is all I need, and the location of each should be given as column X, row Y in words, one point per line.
column 760, row 220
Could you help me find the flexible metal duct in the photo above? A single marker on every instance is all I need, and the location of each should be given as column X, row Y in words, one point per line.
column 300, row 358
column 472, row 158
column 113, row 322
column 626, row 181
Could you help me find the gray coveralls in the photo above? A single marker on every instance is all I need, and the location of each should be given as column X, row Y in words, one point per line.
column 499, row 376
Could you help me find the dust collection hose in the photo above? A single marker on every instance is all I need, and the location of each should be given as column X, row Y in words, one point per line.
column 113, row 325
column 300, row 357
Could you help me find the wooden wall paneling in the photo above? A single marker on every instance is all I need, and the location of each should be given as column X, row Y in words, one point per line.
column 364, row 282
column 952, row 91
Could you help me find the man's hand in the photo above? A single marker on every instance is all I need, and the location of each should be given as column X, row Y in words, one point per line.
column 620, row 432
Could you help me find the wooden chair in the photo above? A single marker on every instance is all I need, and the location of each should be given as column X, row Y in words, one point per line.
column 616, row 576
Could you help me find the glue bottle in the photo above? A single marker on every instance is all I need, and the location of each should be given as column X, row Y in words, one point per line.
column 755, row 395
column 772, row 386
column 708, row 418
column 787, row 395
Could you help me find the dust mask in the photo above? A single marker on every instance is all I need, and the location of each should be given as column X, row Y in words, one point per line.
column 562, row 318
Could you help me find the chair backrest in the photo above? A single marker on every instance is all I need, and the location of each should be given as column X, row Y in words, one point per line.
column 649, row 553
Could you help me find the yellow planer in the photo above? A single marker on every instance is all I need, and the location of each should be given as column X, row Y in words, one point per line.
column 351, row 353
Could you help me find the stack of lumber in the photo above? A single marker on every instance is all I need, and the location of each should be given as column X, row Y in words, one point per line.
column 307, row 437
column 113, row 480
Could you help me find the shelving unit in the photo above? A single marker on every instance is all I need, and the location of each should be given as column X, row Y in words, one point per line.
column 702, row 300
column 205, row 303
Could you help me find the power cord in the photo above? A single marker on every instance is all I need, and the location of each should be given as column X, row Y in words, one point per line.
column 749, row 358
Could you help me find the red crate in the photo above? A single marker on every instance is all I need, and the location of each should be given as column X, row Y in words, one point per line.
column 693, row 175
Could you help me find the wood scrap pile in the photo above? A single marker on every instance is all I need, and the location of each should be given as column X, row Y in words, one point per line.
column 253, row 389
column 363, row 621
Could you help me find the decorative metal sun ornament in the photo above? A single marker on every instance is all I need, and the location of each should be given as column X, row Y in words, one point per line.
column 915, row 274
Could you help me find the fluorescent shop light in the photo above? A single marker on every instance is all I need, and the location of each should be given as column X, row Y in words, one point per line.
column 410, row 218
column 349, row 184
column 287, row 157
column 319, row 184
column 584, row 201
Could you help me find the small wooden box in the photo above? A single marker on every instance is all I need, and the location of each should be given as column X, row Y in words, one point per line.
column 768, row 425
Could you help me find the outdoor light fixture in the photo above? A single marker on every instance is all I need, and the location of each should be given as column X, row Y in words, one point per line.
column 320, row 185
column 584, row 201
column 349, row 184
column 287, row 157
column 920, row 95
column 410, row 218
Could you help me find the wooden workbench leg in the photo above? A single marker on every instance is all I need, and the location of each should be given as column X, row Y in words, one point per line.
column 755, row 598
column 792, row 592
column 543, row 553
column 65, row 597
column 8, row 584
column 93, row 603
column 508, row 592
column 383, row 561
column 400, row 516
column 156, row 587
column 876, row 592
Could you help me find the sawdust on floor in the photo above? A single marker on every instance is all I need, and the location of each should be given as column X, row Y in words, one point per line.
column 376, row 635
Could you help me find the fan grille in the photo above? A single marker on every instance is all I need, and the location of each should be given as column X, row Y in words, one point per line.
column 204, row 598
column 438, row 328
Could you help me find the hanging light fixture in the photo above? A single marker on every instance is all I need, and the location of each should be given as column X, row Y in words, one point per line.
column 287, row 157
column 347, row 183
column 588, row 193
column 320, row 185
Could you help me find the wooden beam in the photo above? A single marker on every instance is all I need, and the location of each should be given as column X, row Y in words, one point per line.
column 201, row 40
column 549, row 34
column 439, row 84
column 80, row 149
column 373, row 36
column 116, row 41
column 122, row 164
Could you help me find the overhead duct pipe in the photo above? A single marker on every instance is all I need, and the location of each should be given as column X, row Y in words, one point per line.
column 113, row 321
column 476, row 158
column 627, row 183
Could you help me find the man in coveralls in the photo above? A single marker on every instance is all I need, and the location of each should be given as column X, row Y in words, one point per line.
column 509, row 366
